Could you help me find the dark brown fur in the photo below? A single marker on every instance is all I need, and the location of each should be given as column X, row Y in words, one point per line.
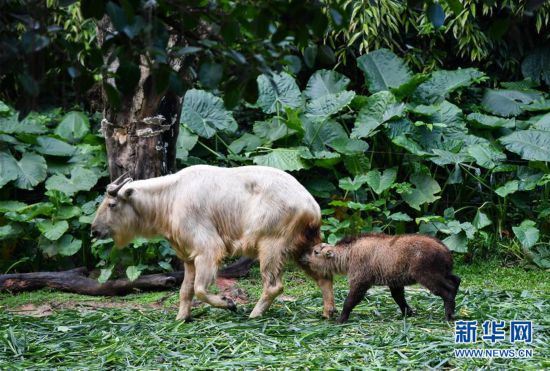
column 394, row 261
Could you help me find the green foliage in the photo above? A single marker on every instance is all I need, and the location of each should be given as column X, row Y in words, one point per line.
column 59, row 164
column 436, row 153
column 429, row 158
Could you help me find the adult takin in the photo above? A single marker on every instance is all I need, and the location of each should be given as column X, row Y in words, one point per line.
column 394, row 261
column 208, row 213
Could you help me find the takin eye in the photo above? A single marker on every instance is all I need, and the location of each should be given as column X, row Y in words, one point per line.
column 316, row 252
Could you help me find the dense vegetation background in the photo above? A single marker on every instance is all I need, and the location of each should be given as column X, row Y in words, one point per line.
column 397, row 116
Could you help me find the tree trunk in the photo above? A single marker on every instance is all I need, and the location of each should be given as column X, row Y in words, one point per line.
column 141, row 131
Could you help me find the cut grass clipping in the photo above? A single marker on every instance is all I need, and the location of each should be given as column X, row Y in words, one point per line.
column 144, row 334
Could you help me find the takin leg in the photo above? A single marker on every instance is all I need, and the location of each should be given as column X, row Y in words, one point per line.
column 456, row 282
column 398, row 294
column 444, row 288
column 271, row 266
column 186, row 292
column 206, row 268
column 356, row 294
column 325, row 284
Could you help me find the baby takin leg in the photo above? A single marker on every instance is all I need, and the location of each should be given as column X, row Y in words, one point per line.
column 357, row 291
column 398, row 294
column 325, row 284
column 444, row 288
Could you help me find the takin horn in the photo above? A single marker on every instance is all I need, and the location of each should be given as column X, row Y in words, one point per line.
column 117, row 184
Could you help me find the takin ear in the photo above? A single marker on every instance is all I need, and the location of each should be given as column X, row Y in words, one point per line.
column 329, row 254
column 128, row 192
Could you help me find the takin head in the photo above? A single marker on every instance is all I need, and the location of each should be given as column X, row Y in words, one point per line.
column 116, row 216
column 324, row 259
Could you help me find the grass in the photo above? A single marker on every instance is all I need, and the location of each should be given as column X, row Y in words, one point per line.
column 292, row 334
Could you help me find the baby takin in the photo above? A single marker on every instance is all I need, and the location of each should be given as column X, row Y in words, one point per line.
column 394, row 261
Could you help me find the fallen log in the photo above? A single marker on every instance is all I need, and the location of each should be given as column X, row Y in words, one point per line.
column 78, row 281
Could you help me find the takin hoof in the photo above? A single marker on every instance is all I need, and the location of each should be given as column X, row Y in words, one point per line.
column 230, row 304
column 186, row 319
column 409, row 312
column 341, row 320
column 450, row 317
column 330, row 313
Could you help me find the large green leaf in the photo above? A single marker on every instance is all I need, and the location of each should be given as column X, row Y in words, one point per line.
column 380, row 107
column 541, row 122
column 442, row 157
column 277, row 92
column 318, row 134
column 12, row 125
column 27, row 172
column 31, row 171
column 247, row 142
column 11, row 205
column 536, row 66
column 424, row 192
column 400, row 217
column 81, row 180
column 533, row 145
column 272, row 129
column 68, row 245
column 379, row 182
column 486, row 121
column 65, row 246
column 186, row 142
column 487, row 156
column 481, row 220
column 321, row 108
column 325, row 82
column 442, row 83
column 68, row 212
column 8, row 168
column 73, row 127
column 457, row 242
column 509, row 187
column 507, row 102
column 288, row 159
column 54, row 147
column 527, row 233
column 30, row 212
column 324, row 159
column 383, row 70
column 133, row 272
column 205, row 114
column 53, row 230
column 348, row 146
column 352, row 185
